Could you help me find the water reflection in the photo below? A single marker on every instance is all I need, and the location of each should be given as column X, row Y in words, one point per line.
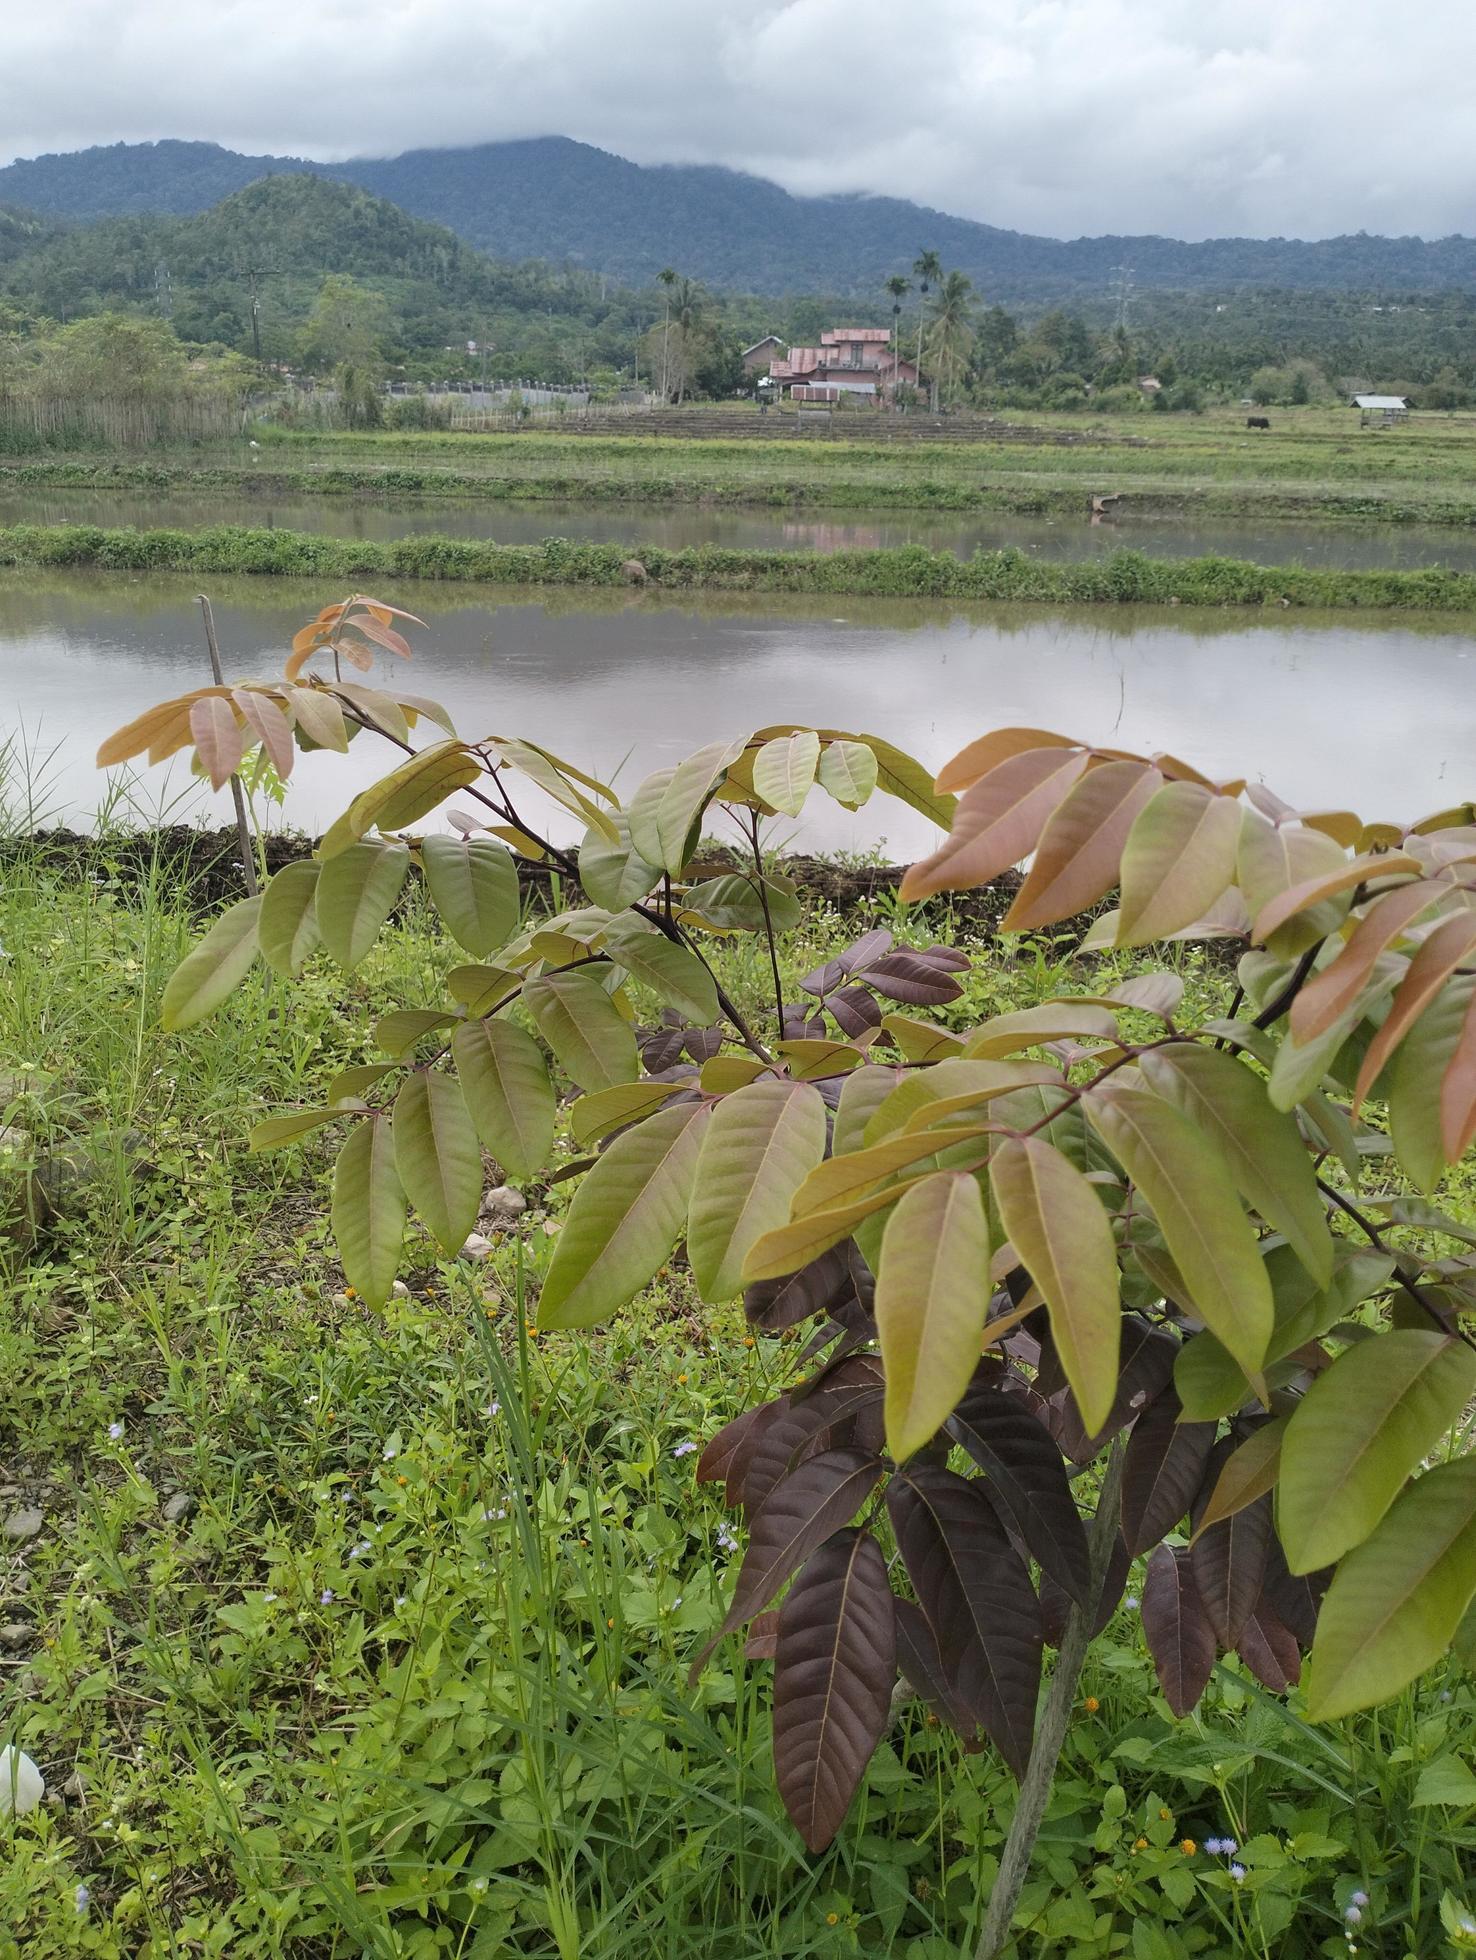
column 1329, row 710
column 1060, row 539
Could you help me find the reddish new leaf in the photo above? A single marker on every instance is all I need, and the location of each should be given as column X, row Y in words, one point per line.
column 998, row 822
column 1269, row 1649
column 834, row 1665
column 799, row 1514
column 978, row 1599
column 775, row 1304
column 1178, row 1630
column 1163, row 1471
column 1229, row 1560
column 922, row 1667
column 1027, row 1481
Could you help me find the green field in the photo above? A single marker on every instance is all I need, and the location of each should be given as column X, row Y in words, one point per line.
column 408, row 1679
column 1313, row 462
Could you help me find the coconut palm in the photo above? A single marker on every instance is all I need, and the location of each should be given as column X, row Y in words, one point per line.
column 927, row 268
column 897, row 286
column 688, row 314
column 951, row 335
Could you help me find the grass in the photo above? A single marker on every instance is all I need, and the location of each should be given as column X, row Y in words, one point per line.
column 1312, row 463
column 906, row 571
column 409, row 1679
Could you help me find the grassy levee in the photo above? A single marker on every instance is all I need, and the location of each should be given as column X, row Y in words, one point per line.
column 908, row 571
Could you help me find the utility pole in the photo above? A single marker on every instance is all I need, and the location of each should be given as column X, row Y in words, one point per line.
column 1122, row 287
column 163, row 290
column 255, row 273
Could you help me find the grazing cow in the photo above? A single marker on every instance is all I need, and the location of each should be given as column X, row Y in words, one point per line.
column 1258, row 421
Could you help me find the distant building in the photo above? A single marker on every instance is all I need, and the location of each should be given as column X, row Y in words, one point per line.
column 849, row 361
column 756, row 359
column 1382, row 408
column 1150, row 384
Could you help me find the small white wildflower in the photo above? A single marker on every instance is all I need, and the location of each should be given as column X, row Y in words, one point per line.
column 684, row 1449
column 325, row 1597
column 1131, row 1602
column 115, row 1430
column 400, row 1599
column 270, row 1598
column 390, row 1452
column 1353, row 1916
column 1359, row 1899
column 81, row 1899
column 1237, row 1872
column 361, row 1549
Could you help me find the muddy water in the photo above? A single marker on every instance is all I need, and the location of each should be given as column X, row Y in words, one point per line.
column 1327, row 709
column 1341, row 546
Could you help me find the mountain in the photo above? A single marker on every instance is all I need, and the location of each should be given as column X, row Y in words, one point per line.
column 553, row 199
column 284, row 235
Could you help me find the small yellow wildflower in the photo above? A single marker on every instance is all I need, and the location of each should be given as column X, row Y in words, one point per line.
column 1140, row 1844
column 681, row 1381
column 1091, row 1704
column 832, row 1919
column 1164, row 1814
column 748, row 1340
column 1188, row 1847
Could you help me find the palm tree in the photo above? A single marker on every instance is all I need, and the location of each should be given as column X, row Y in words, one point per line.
column 926, row 268
column 897, row 286
column 951, row 336
column 688, row 313
column 668, row 279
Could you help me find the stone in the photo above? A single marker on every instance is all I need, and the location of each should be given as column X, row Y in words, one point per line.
column 179, row 1507
column 74, row 1787
column 400, row 1290
column 476, row 1247
column 21, row 1525
column 502, row 1205
column 16, row 1634
column 634, row 571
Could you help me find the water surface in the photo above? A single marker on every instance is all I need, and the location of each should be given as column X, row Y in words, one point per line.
column 1329, row 710
column 1060, row 539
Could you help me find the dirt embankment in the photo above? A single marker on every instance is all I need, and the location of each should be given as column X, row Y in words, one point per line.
column 206, row 864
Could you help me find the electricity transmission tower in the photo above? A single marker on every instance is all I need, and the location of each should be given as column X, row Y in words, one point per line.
column 163, row 290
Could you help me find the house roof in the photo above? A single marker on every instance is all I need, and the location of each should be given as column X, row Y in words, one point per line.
column 834, row 336
column 769, row 340
column 1381, row 401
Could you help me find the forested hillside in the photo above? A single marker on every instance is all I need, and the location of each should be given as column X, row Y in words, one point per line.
column 550, row 198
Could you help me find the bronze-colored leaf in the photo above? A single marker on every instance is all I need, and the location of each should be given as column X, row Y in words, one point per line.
column 1163, row 1471
column 1078, row 857
column 834, row 1667
column 997, row 822
column 1178, row 1630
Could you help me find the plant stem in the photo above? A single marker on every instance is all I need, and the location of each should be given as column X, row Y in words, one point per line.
column 1050, row 1733
column 238, row 797
column 763, row 892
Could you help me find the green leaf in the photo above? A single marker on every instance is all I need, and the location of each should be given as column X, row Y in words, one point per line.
column 848, row 772
column 584, row 1028
column 1028, row 1027
column 1445, row 1781
column 437, row 1157
column 902, row 776
column 1056, row 1222
column 397, row 1032
column 404, row 795
column 803, row 1239
column 273, row 1131
column 613, row 873
column 474, row 883
column 932, row 1296
column 1362, row 1429
column 595, row 1116
column 735, row 903
column 357, row 891
column 505, row 1081
column 862, row 1094
column 673, row 972
column 626, row 1216
column 1397, row 1599
column 1262, row 1145
column 668, row 807
column 1413, row 1081
column 553, row 777
column 1178, row 859
column 287, row 930
column 784, row 770
column 369, row 1210
column 760, row 1144
column 1187, row 1185
column 211, row 971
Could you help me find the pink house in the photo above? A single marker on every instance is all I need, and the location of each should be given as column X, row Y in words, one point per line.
column 848, row 361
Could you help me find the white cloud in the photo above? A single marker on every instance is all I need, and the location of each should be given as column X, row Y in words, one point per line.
column 1195, row 117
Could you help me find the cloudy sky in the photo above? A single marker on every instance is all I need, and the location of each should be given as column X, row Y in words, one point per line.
column 1193, row 117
